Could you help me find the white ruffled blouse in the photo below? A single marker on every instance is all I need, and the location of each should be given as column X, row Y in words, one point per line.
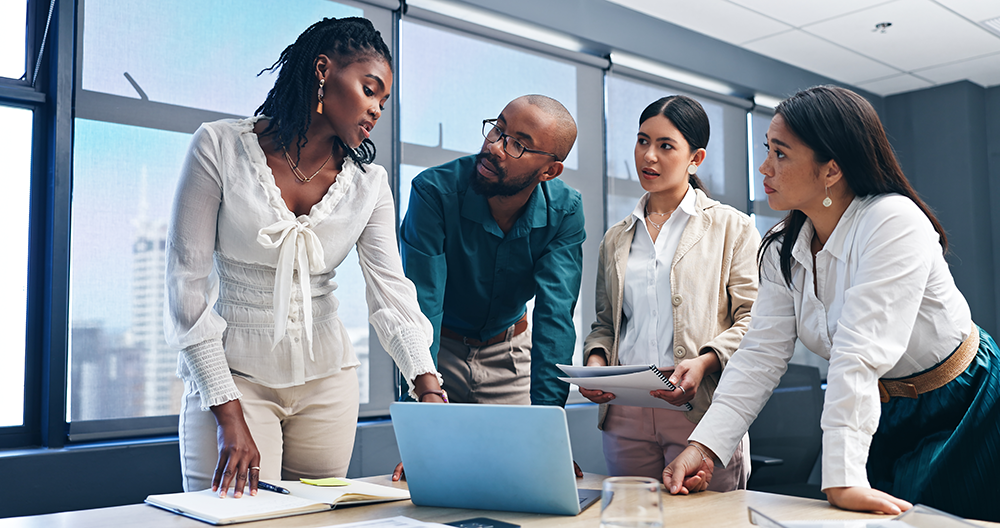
column 250, row 286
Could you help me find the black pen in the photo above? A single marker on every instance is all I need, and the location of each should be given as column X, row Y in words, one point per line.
column 271, row 487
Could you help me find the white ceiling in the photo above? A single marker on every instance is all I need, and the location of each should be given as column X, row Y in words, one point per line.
column 930, row 42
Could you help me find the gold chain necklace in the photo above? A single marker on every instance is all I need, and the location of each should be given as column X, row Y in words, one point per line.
column 660, row 225
column 298, row 174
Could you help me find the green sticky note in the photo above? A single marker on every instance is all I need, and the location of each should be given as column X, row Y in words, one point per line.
column 331, row 481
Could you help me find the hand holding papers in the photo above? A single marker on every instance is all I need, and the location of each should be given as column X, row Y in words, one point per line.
column 631, row 384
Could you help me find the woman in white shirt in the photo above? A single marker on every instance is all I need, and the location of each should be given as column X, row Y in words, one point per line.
column 856, row 271
column 675, row 283
column 266, row 210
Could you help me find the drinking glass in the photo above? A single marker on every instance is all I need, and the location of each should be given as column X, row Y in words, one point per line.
column 631, row 502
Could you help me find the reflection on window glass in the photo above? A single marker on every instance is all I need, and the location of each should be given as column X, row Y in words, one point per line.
column 764, row 216
column 200, row 55
column 626, row 101
column 15, row 149
column 451, row 82
column 193, row 53
column 120, row 363
column 12, row 41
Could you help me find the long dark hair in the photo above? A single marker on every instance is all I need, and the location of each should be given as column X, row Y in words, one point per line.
column 288, row 104
column 840, row 125
column 689, row 117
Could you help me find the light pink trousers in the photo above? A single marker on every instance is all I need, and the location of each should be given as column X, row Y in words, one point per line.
column 303, row 431
column 641, row 441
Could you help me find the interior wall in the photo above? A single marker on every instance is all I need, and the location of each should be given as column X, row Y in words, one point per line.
column 942, row 138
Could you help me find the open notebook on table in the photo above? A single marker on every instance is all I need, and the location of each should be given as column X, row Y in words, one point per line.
column 630, row 384
column 303, row 498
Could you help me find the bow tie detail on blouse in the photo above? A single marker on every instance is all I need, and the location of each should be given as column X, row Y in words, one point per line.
column 301, row 248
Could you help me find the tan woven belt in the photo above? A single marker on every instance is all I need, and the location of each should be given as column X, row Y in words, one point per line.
column 936, row 378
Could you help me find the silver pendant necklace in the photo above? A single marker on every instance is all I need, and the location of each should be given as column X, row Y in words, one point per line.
column 660, row 225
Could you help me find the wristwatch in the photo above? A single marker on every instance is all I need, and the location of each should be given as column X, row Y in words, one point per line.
column 441, row 393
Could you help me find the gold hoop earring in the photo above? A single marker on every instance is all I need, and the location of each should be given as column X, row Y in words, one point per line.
column 319, row 95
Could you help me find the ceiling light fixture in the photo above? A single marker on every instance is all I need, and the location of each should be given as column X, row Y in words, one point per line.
column 881, row 27
column 992, row 24
column 502, row 23
column 659, row 69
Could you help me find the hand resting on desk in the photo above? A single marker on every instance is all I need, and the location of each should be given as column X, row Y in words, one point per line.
column 866, row 499
column 237, row 451
column 690, row 472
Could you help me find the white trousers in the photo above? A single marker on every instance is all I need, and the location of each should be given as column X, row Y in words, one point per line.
column 303, row 431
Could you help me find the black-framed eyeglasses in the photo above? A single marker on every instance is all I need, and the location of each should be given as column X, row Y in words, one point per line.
column 511, row 146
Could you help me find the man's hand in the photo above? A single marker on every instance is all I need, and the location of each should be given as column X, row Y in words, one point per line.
column 866, row 499
column 397, row 474
column 577, row 470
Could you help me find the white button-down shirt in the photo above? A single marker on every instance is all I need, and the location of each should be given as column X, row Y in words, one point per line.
column 884, row 304
column 250, row 285
column 647, row 304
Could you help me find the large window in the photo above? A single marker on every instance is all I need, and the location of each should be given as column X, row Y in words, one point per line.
column 186, row 62
column 764, row 216
column 13, row 38
column 15, row 150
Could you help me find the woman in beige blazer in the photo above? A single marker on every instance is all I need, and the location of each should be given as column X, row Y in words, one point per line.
column 675, row 283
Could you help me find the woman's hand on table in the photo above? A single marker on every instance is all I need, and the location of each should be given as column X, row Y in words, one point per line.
column 238, row 455
column 866, row 499
column 690, row 472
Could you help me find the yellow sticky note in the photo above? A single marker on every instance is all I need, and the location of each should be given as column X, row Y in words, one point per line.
column 331, row 481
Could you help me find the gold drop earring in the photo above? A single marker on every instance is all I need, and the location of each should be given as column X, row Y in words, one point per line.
column 827, row 202
column 319, row 95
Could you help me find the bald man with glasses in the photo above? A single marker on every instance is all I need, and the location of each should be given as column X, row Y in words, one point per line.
column 485, row 234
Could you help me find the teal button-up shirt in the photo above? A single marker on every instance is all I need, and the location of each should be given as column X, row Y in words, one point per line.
column 475, row 280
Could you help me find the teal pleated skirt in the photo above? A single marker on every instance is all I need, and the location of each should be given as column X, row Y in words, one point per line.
column 942, row 449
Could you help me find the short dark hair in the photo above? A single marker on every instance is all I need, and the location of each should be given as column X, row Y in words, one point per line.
column 840, row 125
column 288, row 104
column 690, row 119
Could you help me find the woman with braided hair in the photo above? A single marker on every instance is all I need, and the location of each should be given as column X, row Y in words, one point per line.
column 266, row 210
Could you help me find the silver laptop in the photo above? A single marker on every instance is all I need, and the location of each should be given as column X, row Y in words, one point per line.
column 489, row 457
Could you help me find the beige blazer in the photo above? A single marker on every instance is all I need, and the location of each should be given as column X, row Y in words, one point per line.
column 713, row 280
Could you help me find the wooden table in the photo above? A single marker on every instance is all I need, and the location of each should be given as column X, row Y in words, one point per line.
column 701, row 510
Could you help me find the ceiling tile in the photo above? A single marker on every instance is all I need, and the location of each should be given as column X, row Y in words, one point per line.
column 798, row 13
column 718, row 19
column 923, row 34
column 974, row 10
column 809, row 52
column 895, row 84
column 984, row 71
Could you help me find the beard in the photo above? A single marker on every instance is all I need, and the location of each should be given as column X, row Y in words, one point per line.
column 504, row 186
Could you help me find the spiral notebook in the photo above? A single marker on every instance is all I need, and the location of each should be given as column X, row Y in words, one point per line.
column 629, row 383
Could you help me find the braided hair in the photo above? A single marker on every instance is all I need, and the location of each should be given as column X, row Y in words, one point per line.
column 288, row 104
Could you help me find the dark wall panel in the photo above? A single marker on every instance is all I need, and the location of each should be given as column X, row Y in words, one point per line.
column 940, row 136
